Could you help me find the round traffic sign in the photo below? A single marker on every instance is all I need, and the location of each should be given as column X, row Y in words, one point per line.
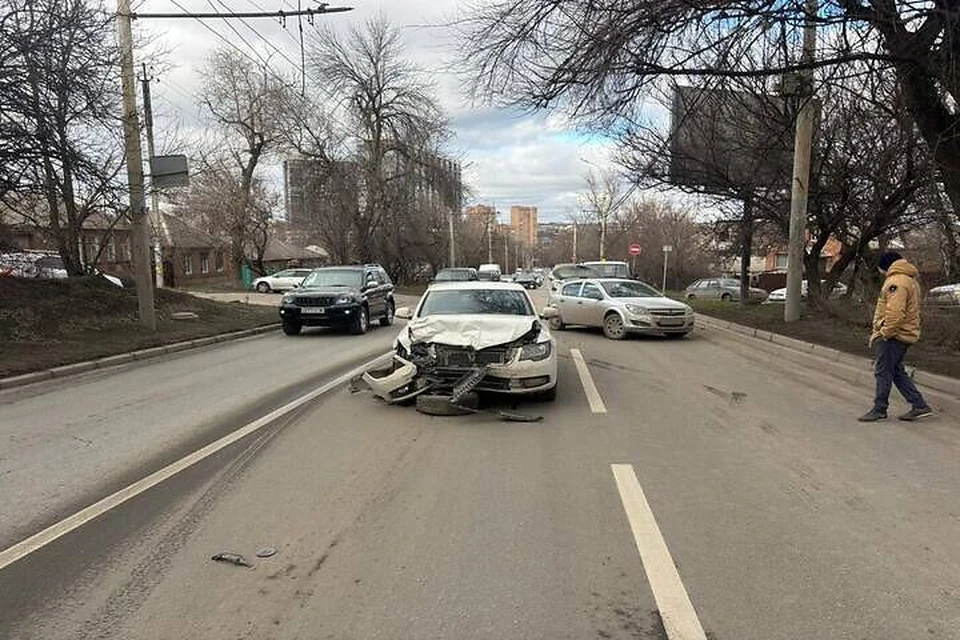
column 635, row 249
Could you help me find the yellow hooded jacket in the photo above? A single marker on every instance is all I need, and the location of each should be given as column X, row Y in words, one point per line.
column 898, row 307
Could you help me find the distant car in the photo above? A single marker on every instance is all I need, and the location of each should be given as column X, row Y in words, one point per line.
column 947, row 295
column 721, row 289
column 458, row 274
column 526, row 279
column 779, row 296
column 564, row 272
column 281, row 281
column 32, row 264
column 620, row 307
column 610, row 268
column 490, row 272
column 348, row 297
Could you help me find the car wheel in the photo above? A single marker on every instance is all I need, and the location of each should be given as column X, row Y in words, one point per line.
column 387, row 320
column 690, row 296
column 439, row 405
column 557, row 324
column 676, row 336
column 726, row 297
column 263, row 287
column 613, row 327
column 292, row 328
column 362, row 322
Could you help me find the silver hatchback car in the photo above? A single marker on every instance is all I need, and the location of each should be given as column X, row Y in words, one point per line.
column 619, row 307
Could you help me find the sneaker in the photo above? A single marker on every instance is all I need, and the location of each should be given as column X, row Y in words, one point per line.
column 872, row 416
column 917, row 414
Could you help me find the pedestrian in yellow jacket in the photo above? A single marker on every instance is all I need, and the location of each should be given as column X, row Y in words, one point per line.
column 896, row 326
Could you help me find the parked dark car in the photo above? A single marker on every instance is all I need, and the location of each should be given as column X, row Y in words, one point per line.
column 347, row 297
column 526, row 279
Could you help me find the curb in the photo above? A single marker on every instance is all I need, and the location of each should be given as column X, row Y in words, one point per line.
column 130, row 356
column 842, row 365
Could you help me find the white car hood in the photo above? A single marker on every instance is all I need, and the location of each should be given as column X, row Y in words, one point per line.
column 476, row 331
column 654, row 303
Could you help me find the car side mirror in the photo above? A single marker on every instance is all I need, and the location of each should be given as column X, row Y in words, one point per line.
column 404, row 313
column 548, row 313
column 295, row 285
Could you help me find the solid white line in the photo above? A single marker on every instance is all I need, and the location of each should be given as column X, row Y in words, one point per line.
column 676, row 611
column 589, row 388
column 39, row 540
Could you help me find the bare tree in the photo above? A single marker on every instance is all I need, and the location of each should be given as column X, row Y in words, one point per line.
column 248, row 101
column 60, row 154
column 394, row 118
column 604, row 197
column 600, row 59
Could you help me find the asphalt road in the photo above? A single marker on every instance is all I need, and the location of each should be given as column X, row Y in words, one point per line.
column 782, row 516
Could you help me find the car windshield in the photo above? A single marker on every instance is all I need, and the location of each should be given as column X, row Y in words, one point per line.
column 455, row 275
column 575, row 271
column 334, row 278
column 611, row 269
column 629, row 289
column 475, row 301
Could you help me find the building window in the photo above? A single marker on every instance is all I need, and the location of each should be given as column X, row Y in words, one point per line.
column 91, row 246
column 188, row 265
column 781, row 261
column 123, row 249
column 204, row 262
column 218, row 259
column 110, row 251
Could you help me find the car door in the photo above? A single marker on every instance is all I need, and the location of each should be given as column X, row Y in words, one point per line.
column 712, row 289
column 568, row 301
column 285, row 279
column 591, row 307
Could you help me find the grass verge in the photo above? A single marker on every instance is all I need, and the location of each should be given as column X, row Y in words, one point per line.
column 48, row 323
column 845, row 325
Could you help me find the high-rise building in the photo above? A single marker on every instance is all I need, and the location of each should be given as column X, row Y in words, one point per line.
column 523, row 221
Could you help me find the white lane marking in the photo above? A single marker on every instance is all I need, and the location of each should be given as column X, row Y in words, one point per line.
column 589, row 388
column 676, row 611
column 39, row 540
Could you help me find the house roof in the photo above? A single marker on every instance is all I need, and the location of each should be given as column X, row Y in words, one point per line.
column 277, row 250
column 177, row 233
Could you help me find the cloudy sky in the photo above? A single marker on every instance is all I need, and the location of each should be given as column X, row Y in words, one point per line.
column 509, row 158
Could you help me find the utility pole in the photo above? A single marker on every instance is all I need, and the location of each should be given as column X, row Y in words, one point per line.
column 151, row 152
column 453, row 241
column 134, row 159
column 801, row 168
column 490, row 236
column 574, row 242
column 506, row 255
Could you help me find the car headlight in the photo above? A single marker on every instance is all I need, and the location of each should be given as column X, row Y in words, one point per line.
column 687, row 311
column 536, row 352
column 287, row 300
column 637, row 310
column 343, row 300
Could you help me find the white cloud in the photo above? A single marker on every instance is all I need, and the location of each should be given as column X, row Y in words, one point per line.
column 509, row 157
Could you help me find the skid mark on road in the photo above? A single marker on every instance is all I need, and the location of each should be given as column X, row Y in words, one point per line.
column 679, row 618
column 589, row 387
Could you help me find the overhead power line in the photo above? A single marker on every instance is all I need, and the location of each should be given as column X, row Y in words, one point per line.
column 281, row 14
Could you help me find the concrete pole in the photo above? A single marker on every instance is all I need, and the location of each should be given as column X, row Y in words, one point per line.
column 134, row 160
column 453, row 241
column 665, row 255
column 574, row 242
column 154, row 195
column 801, row 171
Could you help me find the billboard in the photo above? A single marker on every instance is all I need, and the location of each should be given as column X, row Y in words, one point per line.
column 724, row 141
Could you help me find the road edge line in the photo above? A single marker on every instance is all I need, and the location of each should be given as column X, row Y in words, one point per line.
column 42, row 538
column 679, row 618
column 586, row 381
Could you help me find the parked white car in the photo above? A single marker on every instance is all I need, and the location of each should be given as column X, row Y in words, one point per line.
column 779, row 296
column 281, row 281
column 944, row 295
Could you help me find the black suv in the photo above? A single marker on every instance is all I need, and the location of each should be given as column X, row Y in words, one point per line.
column 347, row 297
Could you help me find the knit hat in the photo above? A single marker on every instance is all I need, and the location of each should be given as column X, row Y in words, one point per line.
column 887, row 259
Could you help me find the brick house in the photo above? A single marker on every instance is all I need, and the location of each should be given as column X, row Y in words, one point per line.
column 190, row 255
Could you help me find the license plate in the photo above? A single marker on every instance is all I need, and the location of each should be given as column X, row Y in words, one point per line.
column 316, row 311
column 672, row 322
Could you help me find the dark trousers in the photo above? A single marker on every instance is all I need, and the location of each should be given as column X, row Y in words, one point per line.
column 889, row 370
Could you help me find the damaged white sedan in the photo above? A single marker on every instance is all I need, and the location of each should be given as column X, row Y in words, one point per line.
column 468, row 337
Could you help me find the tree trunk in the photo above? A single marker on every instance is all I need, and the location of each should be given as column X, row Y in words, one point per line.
column 746, row 248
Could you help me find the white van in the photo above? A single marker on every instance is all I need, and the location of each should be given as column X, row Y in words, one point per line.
column 489, row 272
